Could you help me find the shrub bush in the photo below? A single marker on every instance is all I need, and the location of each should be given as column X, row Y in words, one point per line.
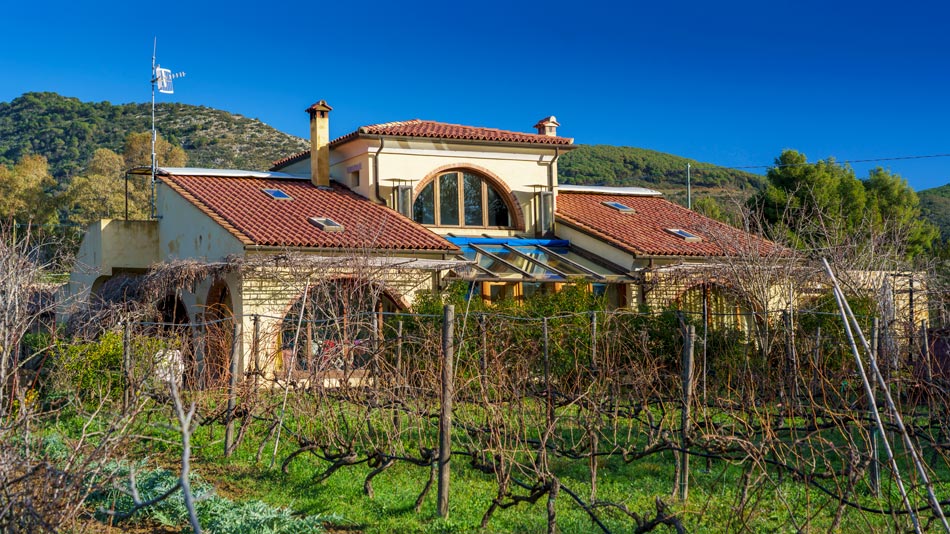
column 92, row 366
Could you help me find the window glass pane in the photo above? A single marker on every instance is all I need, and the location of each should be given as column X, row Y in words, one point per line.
column 423, row 210
column 576, row 258
column 496, row 267
column 531, row 289
column 499, row 292
column 472, row 194
column 551, row 261
column 449, row 200
column 497, row 210
column 522, row 263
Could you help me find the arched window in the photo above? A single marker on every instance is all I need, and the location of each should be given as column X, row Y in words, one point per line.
column 334, row 326
column 461, row 198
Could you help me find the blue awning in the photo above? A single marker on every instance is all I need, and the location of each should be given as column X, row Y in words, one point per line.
column 514, row 241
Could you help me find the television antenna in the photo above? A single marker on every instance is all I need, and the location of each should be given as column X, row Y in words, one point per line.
column 162, row 79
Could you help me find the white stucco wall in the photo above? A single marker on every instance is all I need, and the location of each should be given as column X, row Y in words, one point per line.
column 185, row 232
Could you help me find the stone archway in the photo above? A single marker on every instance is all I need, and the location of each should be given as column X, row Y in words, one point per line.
column 172, row 311
column 214, row 370
column 332, row 328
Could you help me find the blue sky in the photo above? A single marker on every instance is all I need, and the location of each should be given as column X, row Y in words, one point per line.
column 729, row 83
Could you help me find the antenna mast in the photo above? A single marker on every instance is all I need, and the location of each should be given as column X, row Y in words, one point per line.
column 151, row 207
column 161, row 79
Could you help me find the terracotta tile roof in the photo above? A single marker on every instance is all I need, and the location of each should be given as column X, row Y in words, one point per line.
column 433, row 129
column 293, row 158
column 239, row 205
column 645, row 232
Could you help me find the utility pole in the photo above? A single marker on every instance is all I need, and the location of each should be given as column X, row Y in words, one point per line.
column 689, row 189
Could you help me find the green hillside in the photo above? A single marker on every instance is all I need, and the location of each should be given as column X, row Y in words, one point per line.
column 629, row 166
column 67, row 131
column 935, row 205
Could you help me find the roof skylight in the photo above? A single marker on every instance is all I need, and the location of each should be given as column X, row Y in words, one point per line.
column 277, row 194
column 326, row 224
column 622, row 208
column 688, row 237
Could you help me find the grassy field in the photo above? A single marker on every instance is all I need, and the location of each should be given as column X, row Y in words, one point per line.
column 716, row 503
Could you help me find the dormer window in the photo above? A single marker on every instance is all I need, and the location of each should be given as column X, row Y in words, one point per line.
column 460, row 198
column 622, row 208
column 326, row 224
column 277, row 194
column 688, row 237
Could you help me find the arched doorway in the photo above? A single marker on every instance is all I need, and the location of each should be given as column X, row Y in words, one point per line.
column 215, row 368
column 174, row 328
column 172, row 312
column 332, row 326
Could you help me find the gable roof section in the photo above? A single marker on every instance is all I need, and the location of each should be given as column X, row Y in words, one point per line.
column 646, row 232
column 435, row 130
column 240, row 205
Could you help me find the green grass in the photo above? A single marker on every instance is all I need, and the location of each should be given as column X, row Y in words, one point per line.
column 715, row 504
column 715, row 495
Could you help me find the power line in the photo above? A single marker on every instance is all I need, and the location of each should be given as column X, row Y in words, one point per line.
column 774, row 165
column 712, row 166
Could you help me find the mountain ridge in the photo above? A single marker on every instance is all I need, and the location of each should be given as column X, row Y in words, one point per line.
column 935, row 205
column 67, row 131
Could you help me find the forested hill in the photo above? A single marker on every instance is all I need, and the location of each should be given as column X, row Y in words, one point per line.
column 67, row 132
column 935, row 205
column 629, row 166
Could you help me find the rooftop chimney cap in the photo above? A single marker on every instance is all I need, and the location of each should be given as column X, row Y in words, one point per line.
column 547, row 126
column 547, row 121
column 319, row 106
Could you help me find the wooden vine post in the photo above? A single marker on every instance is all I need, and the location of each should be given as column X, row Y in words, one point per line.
column 200, row 349
column 232, row 389
column 689, row 336
column 928, row 365
column 256, row 351
column 445, row 413
column 874, row 468
column 126, row 368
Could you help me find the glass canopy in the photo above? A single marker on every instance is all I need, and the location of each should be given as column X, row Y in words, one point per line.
column 541, row 260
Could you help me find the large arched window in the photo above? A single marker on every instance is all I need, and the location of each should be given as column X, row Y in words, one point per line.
column 461, row 198
column 334, row 326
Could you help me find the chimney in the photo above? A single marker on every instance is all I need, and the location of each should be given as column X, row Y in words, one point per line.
column 320, row 143
column 548, row 126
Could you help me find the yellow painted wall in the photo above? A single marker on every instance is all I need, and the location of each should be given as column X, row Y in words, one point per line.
column 186, row 232
column 519, row 167
column 597, row 247
column 182, row 231
column 108, row 245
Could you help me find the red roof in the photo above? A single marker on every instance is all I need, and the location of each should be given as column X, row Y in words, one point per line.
column 440, row 130
column 647, row 230
column 240, row 205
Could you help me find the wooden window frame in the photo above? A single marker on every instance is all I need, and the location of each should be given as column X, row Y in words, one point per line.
column 460, row 186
